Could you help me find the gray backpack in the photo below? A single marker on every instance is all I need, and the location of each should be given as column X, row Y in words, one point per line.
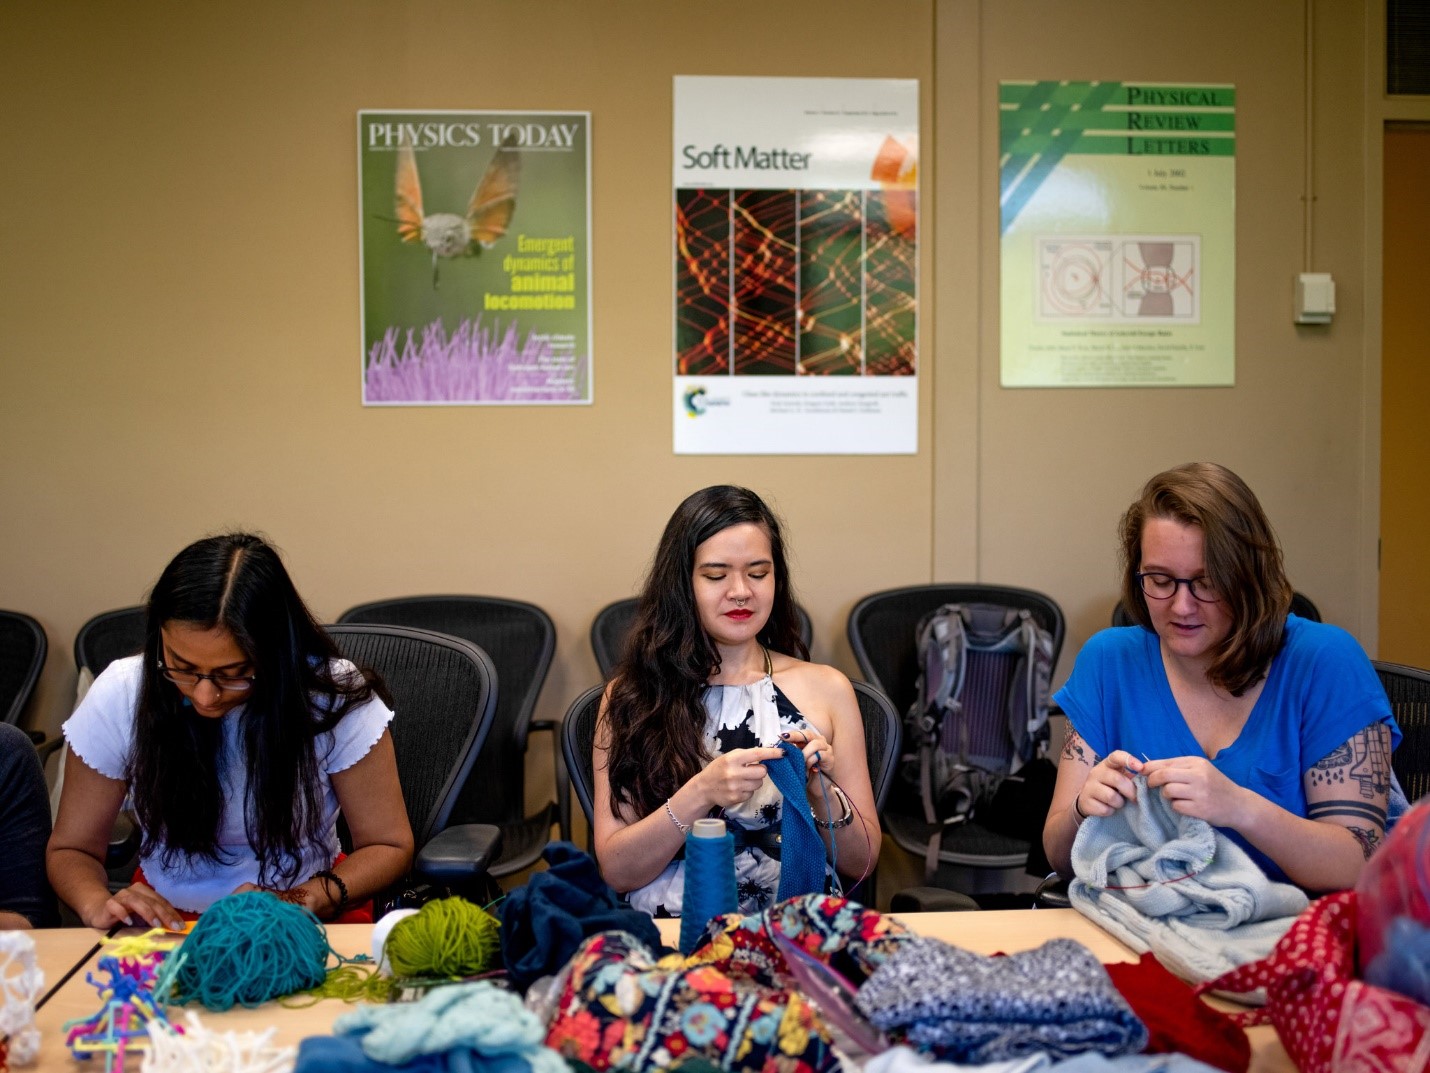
column 981, row 712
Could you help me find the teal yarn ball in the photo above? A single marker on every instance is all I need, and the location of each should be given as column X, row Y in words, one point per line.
column 447, row 937
column 248, row 949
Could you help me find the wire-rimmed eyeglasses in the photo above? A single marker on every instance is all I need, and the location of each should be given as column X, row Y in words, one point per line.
column 224, row 683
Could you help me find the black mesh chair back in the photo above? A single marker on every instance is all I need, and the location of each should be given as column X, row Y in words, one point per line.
column 613, row 622
column 881, row 628
column 520, row 639
column 443, row 693
column 882, row 633
column 883, row 735
column 1301, row 606
column 1409, row 691
column 108, row 637
column 23, row 646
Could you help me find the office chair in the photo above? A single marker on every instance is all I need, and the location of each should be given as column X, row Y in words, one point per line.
column 881, row 630
column 613, row 622
column 23, row 646
column 520, row 639
column 1409, row 691
column 107, row 637
column 443, row 696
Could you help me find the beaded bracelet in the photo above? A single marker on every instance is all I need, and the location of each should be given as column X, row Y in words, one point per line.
column 683, row 828
column 328, row 874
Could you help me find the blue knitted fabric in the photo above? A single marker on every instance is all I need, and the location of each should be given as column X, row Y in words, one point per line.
column 801, row 848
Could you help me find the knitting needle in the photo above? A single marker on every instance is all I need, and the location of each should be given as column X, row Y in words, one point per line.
column 80, row 964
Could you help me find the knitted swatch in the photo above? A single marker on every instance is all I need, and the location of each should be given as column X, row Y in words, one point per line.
column 801, row 848
column 965, row 1007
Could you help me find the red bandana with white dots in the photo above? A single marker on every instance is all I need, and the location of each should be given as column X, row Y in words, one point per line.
column 1326, row 1018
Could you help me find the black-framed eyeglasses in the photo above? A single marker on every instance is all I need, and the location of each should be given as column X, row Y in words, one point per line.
column 1164, row 586
column 224, row 683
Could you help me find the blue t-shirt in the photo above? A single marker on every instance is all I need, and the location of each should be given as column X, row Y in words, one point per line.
column 1319, row 692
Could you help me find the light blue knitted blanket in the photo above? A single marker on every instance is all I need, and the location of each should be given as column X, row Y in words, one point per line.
column 1177, row 886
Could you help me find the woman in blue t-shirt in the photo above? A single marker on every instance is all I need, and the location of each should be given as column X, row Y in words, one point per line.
column 1271, row 727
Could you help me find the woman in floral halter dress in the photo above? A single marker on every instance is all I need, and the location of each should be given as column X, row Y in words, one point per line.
column 713, row 677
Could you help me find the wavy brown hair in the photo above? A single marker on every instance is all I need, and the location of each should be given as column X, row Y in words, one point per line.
column 1243, row 561
column 655, row 718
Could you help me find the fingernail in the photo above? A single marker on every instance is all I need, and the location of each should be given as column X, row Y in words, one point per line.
column 784, row 734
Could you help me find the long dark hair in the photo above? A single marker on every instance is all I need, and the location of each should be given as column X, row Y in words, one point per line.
column 237, row 582
column 1243, row 560
column 655, row 720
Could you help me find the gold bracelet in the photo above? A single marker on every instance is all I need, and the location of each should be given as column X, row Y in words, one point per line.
column 683, row 828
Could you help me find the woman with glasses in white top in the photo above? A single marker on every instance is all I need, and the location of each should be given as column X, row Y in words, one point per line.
column 1271, row 727
column 239, row 733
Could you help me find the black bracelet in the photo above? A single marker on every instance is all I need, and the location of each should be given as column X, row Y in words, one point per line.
column 328, row 874
column 1081, row 815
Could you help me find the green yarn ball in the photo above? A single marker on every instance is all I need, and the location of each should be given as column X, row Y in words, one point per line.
column 446, row 937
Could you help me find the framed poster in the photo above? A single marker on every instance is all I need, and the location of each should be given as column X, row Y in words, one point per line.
column 475, row 237
column 1118, row 219
column 796, row 266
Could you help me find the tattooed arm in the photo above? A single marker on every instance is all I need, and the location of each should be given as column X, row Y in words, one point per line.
column 1098, row 785
column 1346, row 795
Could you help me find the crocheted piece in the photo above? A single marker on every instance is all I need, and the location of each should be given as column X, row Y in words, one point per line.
column 965, row 1007
column 1327, row 1019
column 21, row 980
column 1177, row 886
column 728, row 1003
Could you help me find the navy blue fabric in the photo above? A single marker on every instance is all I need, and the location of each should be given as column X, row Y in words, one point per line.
column 543, row 922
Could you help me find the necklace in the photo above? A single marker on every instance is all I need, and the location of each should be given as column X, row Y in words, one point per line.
column 769, row 665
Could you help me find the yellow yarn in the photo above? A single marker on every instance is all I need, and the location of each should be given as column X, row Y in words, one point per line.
column 446, row 937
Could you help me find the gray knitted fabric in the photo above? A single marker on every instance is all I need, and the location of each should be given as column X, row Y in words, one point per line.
column 965, row 1007
column 1175, row 885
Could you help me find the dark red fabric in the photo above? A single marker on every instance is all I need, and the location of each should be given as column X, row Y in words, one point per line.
column 1176, row 1019
column 354, row 914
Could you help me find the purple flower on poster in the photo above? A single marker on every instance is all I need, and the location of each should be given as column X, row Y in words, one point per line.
column 475, row 363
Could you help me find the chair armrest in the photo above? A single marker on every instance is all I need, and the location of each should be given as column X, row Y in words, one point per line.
column 931, row 900
column 1053, row 893
column 461, row 852
column 44, row 747
column 563, row 780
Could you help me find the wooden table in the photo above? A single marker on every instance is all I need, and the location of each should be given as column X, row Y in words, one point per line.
column 981, row 932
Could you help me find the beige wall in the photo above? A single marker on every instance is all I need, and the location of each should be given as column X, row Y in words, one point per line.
column 179, row 307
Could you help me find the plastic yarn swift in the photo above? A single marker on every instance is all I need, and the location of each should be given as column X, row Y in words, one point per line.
column 122, row 1024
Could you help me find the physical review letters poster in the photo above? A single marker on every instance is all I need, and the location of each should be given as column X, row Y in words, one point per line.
column 796, row 266
column 1118, row 211
column 476, row 257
